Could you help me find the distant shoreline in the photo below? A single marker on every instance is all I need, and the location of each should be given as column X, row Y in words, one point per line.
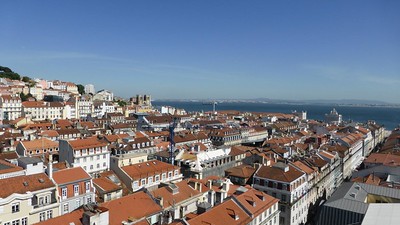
column 284, row 103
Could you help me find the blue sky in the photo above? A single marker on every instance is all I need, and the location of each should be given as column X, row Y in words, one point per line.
column 210, row 49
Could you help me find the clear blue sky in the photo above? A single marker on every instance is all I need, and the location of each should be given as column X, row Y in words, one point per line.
column 210, row 49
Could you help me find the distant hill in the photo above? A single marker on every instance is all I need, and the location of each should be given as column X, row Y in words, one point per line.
column 348, row 102
column 296, row 102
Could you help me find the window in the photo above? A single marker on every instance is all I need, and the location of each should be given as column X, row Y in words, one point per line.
column 104, row 164
column 24, row 221
column 283, row 208
column 98, row 157
column 150, row 179
column 91, row 167
column 163, row 176
column 89, row 199
column 98, row 165
column 15, row 207
column 135, row 184
column 157, row 178
column 41, row 200
column 76, row 190
column 15, row 222
column 169, row 174
column 283, row 198
column 65, row 207
column 47, row 199
column 42, row 216
column 143, row 182
column 104, row 156
column 176, row 173
column 49, row 214
column 64, row 193
column 87, row 186
column 78, row 203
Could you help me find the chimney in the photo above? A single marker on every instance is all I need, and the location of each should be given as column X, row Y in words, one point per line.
column 226, row 184
column 50, row 167
column 160, row 201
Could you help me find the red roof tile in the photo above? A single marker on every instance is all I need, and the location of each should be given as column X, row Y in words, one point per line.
column 70, row 175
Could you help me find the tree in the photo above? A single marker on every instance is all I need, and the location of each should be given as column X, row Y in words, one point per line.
column 121, row 103
column 81, row 89
column 8, row 73
column 25, row 97
column 26, row 79
column 5, row 69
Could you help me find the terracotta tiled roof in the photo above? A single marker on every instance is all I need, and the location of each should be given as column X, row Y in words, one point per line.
column 243, row 171
column 256, row 202
column 23, row 184
column 70, row 175
column 66, row 131
column 73, row 217
column 278, row 174
column 385, row 159
column 39, row 144
column 64, row 123
column 302, row 166
column 115, row 137
column 137, row 206
column 8, row 155
column 88, row 124
column 235, row 151
column 185, row 192
column 6, row 167
column 106, row 185
column 148, row 168
column 86, row 143
column 222, row 214
column 41, row 104
column 60, row 165
column 49, row 133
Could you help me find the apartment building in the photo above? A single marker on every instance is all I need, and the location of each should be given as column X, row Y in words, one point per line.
column 148, row 174
column 39, row 111
column 10, row 107
column 27, row 199
column 37, row 147
column 250, row 207
column 90, row 154
column 75, row 188
column 177, row 200
column 226, row 136
column 289, row 184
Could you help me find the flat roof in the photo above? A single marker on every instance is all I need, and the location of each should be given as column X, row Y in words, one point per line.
column 379, row 213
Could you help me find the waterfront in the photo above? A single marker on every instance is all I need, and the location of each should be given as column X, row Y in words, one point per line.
column 387, row 116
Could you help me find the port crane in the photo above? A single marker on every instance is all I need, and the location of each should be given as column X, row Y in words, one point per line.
column 214, row 104
column 172, row 127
